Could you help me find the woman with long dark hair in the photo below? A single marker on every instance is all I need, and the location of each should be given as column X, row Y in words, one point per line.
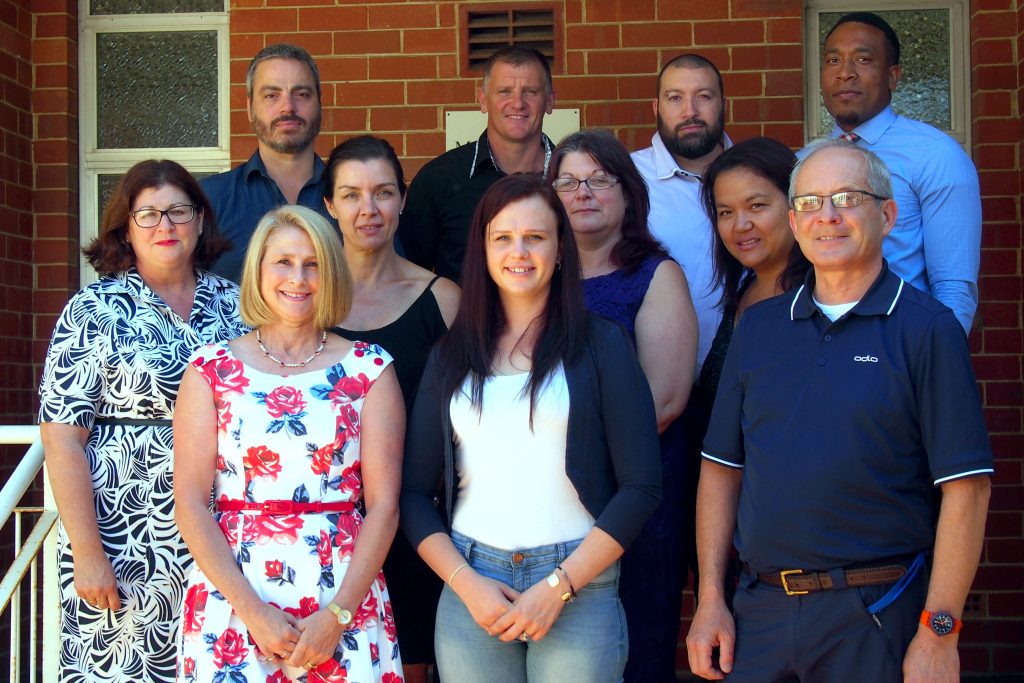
column 755, row 255
column 539, row 422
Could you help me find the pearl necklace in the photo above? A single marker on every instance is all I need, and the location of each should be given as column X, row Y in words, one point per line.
column 300, row 364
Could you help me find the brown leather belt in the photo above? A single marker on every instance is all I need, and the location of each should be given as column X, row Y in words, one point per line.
column 799, row 582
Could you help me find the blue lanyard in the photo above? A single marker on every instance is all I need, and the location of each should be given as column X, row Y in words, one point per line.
column 898, row 587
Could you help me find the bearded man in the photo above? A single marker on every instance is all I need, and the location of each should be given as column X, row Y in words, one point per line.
column 283, row 104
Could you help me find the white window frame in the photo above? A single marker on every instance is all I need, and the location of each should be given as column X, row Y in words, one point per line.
column 959, row 58
column 95, row 161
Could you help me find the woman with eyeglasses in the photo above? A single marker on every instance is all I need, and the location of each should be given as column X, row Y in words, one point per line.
column 107, row 395
column 536, row 420
column 629, row 278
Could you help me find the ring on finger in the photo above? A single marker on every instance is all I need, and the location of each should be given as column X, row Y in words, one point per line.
column 523, row 637
column 309, row 665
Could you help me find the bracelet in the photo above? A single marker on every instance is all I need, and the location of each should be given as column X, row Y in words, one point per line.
column 455, row 573
column 572, row 589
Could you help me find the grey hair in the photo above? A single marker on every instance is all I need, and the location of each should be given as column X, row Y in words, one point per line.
column 878, row 178
column 281, row 51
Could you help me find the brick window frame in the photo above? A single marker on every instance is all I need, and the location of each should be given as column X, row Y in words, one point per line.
column 959, row 58
column 96, row 161
column 486, row 28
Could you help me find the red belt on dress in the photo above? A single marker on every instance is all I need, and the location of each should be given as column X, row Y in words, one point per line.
column 284, row 507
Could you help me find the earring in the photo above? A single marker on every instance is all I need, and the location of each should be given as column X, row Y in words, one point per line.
column 558, row 265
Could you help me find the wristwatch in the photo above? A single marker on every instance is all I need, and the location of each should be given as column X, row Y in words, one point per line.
column 344, row 616
column 941, row 623
column 554, row 582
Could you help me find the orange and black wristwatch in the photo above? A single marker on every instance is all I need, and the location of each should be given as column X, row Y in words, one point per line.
column 941, row 623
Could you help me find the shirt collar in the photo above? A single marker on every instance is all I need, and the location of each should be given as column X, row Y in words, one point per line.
column 880, row 299
column 482, row 153
column 255, row 165
column 665, row 165
column 873, row 129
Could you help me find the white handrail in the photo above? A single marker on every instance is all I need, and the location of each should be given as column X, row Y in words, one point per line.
column 24, row 475
column 41, row 541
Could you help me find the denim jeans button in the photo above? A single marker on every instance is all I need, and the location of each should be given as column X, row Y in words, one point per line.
column 517, row 558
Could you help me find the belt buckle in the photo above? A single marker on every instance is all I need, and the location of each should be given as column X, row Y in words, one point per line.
column 785, row 583
column 277, row 507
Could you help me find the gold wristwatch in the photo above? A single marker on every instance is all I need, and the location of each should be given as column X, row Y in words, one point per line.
column 343, row 615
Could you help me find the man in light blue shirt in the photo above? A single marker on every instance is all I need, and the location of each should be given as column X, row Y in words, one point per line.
column 936, row 243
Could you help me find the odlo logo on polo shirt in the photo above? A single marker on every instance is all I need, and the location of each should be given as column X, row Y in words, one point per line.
column 865, row 359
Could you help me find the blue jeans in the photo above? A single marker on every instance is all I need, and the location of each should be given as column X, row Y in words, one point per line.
column 588, row 642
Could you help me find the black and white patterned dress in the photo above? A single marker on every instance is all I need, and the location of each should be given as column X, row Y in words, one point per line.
column 118, row 352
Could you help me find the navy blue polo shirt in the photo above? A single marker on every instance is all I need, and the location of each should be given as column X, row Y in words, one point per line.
column 241, row 196
column 842, row 429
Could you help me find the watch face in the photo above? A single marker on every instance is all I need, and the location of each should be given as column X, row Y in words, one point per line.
column 942, row 623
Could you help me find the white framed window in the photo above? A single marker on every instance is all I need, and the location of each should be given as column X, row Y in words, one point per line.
column 934, row 53
column 154, row 83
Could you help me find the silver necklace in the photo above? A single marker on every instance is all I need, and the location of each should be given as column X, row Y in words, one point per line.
column 300, row 364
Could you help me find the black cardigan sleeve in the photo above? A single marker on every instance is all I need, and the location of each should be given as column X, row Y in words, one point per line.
column 630, row 430
column 424, row 459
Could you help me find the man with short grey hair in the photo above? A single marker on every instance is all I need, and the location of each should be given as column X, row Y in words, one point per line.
column 283, row 104
column 515, row 93
column 843, row 406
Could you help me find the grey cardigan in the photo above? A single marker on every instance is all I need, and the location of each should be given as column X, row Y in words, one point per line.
column 612, row 453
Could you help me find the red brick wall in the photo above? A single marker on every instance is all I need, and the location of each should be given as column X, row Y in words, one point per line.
column 16, row 209
column 392, row 68
column 994, row 644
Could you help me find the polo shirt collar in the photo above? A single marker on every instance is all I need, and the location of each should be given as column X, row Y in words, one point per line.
column 255, row 165
column 880, row 299
column 872, row 130
column 665, row 165
column 482, row 153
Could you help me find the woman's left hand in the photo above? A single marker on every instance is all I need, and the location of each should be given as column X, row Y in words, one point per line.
column 533, row 613
column 319, row 636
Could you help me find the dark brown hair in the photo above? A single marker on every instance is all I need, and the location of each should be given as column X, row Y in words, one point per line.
column 472, row 341
column 110, row 252
column 637, row 242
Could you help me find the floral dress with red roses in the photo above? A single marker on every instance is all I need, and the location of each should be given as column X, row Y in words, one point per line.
column 288, row 438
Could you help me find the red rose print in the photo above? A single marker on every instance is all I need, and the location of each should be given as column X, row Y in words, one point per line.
column 391, row 678
column 277, row 677
column 265, row 528
column 389, row 623
column 224, row 375
column 351, row 481
column 345, row 538
column 307, row 607
column 188, row 667
column 261, row 463
column 230, row 649
column 322, row 459
column 350, row 388
column 223, row 414
column 374, row 652
column 366, row 615
column 348, row 422
column 229, row 526
column 329, row 672
column 195, row 608
column 285, row 400
column 274, row 568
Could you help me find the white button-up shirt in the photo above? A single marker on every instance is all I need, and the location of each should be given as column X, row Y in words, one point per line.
column 679, row 222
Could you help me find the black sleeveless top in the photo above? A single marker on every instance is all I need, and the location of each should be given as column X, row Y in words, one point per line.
column 408, row 339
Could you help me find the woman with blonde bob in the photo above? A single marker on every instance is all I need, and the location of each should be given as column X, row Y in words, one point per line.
column 292, row 427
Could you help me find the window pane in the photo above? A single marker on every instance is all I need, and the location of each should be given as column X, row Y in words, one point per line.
column 153, row 6
column 924, row 89
column 156, row 89
column 108, row 181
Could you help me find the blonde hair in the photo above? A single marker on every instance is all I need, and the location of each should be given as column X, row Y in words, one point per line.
column 334, row 298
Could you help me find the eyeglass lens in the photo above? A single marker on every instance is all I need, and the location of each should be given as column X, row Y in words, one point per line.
column 150, row 218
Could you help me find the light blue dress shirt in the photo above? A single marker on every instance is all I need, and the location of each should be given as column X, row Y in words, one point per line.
column 936, row 242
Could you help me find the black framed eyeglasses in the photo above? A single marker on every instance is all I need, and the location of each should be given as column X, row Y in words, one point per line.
column 597, row 182
column 847, row 199
column 150, row 218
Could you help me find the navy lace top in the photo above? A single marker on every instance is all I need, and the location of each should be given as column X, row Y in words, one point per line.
column 618, row 295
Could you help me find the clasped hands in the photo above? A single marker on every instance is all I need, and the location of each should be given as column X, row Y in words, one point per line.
column 506, row 613
column 301, row 643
